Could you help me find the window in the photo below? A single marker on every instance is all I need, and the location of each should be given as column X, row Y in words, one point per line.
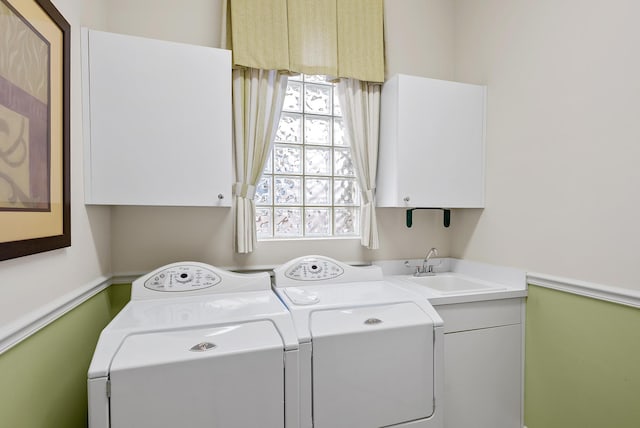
column 309, row 188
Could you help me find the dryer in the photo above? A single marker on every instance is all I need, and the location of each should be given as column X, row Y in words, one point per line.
column 371, row 353
column 197, row 346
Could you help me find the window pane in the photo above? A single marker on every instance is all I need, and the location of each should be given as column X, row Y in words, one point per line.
column 317, row 160
column 317, row 130
column 263, row 191
column 288, row 190
column 288, row 222
column 268, row 168
column 346, row 191
column 343, row 163
column 347, row 221
column 263, row 222
column 289, row 128
column 317, row 191
column 339, row 137
column 293, row 97
column 287, row 159
column 309, row 186
column 317, row 99
column 315, row 78
column 317, row 221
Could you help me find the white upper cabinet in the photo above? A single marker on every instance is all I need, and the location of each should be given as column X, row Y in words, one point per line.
column 431, row 144
column 157, row 122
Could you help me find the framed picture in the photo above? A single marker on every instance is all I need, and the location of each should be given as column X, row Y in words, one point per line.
column 34, row 128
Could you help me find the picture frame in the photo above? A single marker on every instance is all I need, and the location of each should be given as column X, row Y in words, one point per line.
column 34, row 128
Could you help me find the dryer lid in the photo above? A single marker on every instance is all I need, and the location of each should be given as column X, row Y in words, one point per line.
column 368, row 319
column 372, row 366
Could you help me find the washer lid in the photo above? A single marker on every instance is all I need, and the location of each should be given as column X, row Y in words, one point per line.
column 189, row 314
column 204, row 377
column 372, row 366
column 168, row 347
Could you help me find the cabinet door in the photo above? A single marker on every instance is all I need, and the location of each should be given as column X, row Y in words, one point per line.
column 483, row 378
column 157, row 120
column 432, row 144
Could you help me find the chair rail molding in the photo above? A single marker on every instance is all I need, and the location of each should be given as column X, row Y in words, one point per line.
column 622, row 296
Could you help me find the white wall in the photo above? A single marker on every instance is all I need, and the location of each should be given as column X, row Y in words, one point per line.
column 137, row 239
column 419, row 37
column 563, row 136
column 31, row 282
column 194, row 21
column 563, row 148
column 419, row 41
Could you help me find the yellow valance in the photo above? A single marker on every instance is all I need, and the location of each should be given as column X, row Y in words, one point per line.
column 340, row 38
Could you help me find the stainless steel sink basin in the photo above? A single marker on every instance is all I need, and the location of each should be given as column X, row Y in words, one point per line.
column 453, row 284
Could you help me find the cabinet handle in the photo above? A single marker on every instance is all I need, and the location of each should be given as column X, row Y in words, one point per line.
column 220, row 196
column 407, row 199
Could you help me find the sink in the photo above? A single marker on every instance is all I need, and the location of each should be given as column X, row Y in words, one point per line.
column 453, row 284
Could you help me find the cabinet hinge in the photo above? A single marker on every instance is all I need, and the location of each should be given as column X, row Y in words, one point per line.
column 108, row 389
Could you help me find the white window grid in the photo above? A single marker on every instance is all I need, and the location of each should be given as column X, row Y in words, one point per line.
column 288, row 204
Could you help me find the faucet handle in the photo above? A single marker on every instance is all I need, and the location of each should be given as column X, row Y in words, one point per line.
column 431, row 264
column 417, row 269
column 410, row 266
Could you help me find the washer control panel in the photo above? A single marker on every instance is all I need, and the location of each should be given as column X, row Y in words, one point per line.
column 182, row 278
column 314, row 269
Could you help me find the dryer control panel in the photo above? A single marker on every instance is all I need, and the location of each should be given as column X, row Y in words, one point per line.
column 182, row 278
column 313, row 269
column 317, row 270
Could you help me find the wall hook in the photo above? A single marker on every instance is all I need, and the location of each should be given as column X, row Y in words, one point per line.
column 446, row 220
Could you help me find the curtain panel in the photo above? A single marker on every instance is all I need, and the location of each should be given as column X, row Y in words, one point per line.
column 257, row 102
column 360, row 103
column 339, row 38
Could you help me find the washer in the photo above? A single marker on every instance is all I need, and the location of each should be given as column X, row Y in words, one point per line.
column 197, row 346
column 371, row 353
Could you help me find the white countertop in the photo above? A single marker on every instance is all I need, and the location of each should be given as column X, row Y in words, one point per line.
column 494, row 282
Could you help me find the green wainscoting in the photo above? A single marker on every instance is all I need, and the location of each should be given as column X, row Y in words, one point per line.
column 43, row 379
column 582, row 362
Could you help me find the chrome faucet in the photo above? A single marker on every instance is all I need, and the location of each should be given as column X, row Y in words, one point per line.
column 426, row 268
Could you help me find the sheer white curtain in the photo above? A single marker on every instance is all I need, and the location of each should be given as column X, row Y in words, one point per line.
column 360, row 104
column 257, row 102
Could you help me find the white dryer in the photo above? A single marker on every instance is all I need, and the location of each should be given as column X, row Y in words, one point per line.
column 196, row 346
column 371, row 353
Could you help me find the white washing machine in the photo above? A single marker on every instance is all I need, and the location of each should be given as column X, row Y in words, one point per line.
column 371, row 353
column 197, row 346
